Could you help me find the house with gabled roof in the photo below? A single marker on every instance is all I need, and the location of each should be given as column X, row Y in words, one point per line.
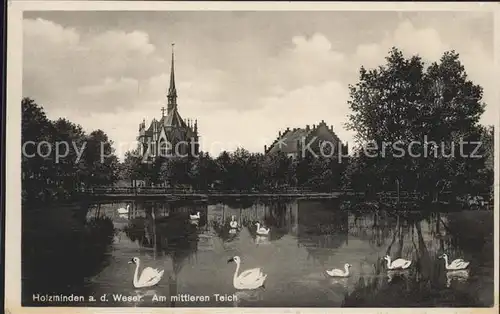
column 318, row 139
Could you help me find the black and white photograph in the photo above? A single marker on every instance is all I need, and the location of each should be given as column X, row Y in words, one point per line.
column 252, row 155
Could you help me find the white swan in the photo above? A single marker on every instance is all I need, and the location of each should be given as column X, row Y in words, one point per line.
column 249, row 279
column 262, row 230
column 123, row 210
column 399, row 263
column 233, row 224
column 149, row 276
column 193, row 217
column 339, row 272
column 457, row 264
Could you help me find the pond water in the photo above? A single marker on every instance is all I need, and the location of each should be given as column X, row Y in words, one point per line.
column 306, row 238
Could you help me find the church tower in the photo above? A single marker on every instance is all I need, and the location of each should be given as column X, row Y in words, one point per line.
column 171, row 135
column 172, row 92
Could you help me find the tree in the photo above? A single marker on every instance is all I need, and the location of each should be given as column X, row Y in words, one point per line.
column 70, row 142
column 401, row 107
column 99, row 160
column 203, row 172
column 36, row 170
column 57, row 156
column 175, row 171
column 224, row 174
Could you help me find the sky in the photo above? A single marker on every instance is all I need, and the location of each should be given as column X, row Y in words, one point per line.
column 244, row 76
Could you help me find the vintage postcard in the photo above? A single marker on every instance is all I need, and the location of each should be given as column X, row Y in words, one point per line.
column 261, row 155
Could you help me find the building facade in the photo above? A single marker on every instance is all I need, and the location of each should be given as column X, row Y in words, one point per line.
column 318, row 139
column 169, row 136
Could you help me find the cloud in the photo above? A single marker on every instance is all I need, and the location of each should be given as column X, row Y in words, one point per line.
column 430, row 45
column 244, row 90
column 309, row 61
column 62, row 66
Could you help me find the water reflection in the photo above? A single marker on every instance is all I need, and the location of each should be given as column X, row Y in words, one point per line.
column 247, row 296
column 456, row 275
column 307, row 237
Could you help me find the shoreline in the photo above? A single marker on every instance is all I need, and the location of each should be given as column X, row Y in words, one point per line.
column 199, row 196
column 357, row 198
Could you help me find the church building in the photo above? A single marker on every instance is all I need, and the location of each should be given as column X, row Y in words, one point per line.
column 169, row 136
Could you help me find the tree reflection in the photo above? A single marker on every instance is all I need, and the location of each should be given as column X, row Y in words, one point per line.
column 61, row 240
column 320, row 230
column 170, row 235
column 426, row 282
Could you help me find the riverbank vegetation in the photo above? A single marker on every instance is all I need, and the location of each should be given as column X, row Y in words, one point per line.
column 402, row 107
column 58, row 157
column 61, row 239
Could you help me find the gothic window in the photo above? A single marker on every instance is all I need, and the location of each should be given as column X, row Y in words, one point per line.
column 153, row 149
column 163, row 148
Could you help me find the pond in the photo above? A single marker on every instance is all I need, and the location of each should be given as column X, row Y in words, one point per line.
column 306, row 238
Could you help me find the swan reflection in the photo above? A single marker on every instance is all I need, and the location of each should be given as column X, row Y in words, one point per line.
column 456, row 275
column 391, row 274
column 262, row 240
column 145, row 293
column 247, row 295
column 123, row 216
column 194, row 222
column 339, row 281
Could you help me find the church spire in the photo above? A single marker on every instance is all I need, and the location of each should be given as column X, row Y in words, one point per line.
column 172, row 92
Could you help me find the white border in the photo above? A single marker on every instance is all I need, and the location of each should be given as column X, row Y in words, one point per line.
column 13, row 164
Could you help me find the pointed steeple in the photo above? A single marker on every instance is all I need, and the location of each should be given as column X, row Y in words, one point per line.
column 172, row 92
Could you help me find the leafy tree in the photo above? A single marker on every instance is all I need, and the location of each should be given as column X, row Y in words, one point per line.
column 203, row 172
column 36, row 170
column 403, row 107
column 99, row 160
column 69, row 140
column 58, row 157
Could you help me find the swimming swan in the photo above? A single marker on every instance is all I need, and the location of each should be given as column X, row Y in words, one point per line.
column 399, row 263
column 197, row 216
column 262, row 230
column 457, row 264
column 233, row 224
column 149, row 276
column 339, row 272
column 123, row 210
column 249, row 279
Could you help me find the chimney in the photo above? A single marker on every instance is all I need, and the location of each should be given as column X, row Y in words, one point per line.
column 288, row 129
column 265, row 148
column 279, row 133
column 314, row 126
column 331, row 127
column 308, row 127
